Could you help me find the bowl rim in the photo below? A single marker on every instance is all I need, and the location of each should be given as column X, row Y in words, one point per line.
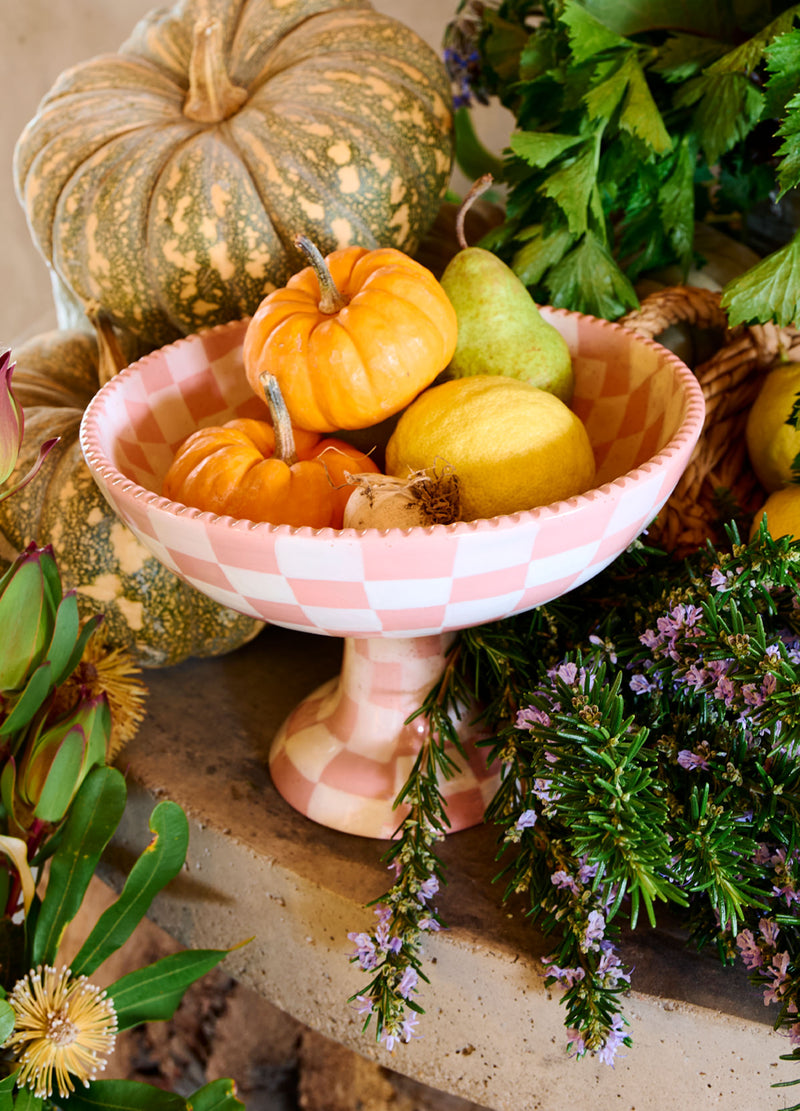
column 685, row 437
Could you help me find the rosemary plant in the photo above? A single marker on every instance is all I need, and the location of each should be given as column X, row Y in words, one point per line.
column 647, row 726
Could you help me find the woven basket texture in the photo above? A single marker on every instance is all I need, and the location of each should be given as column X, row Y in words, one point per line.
column 718, row 485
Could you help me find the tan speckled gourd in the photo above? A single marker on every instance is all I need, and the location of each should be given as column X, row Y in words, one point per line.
column 167, row 181
column 158, row 618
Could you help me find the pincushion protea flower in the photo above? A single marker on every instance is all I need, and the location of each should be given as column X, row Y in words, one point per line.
column 65, row 1028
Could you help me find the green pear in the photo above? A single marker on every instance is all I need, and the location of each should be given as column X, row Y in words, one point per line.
column 500, row 328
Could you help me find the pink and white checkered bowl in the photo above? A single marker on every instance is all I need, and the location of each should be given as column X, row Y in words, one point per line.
column 641, row 405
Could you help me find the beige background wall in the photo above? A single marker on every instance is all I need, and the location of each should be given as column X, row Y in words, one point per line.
column 43, row 37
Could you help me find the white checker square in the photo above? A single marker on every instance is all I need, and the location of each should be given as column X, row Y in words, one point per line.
column 392, row 594
column 335, row 560
column 460, row 615
column 509, row 548
column 552, row 568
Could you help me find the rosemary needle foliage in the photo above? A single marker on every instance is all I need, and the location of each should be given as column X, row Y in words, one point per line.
column 647, row 725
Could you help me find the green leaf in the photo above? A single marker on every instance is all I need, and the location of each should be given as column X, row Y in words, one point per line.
column 539, row 253
column 747, row 56
column 27, row 1101
column 728, row 108
column 153, row 993
column 540, row 148
column 7, row 1019
column 768, row 291
column 633, row 17
column 24, row 709
column 588, row 280
column 124, row 1095
column 65, row 635
column 640, row 116
column 94, row 815
column 684, row 56
column 783, row 94
column 571, row 187
column 62, row 776
column 605, row 96
column 587, row 35
column 158, row 864
column 219, row 1095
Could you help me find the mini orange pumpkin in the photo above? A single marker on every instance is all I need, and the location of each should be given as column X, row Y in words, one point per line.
column 259, row 471
column 352, row 338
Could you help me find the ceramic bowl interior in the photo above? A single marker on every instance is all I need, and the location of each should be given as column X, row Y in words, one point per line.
column 641, row 405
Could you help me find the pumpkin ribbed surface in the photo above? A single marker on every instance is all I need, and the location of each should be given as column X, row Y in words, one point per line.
column 158, row 618
column 338, row 126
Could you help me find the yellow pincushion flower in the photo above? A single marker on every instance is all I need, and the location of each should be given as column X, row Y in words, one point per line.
column 65, row 1028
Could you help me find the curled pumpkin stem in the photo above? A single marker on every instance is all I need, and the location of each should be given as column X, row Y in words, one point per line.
column 479, row 187
column 281, row 421
column 331, row 300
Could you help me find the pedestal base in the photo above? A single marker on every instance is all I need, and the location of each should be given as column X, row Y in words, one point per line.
column 345, row 752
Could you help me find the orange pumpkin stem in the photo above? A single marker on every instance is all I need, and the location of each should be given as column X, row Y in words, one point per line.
column 285, row 449
column 478, row 189
column 331, row 300
column 212, row 96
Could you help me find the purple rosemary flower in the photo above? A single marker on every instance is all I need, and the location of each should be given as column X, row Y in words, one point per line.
column 595, row 929
column 749, row 948
column 429, row 924
column 613, row 1041
column 427, row 889
column 526, row 820
column 691, row 761
column 530, row 717
column 564, row 881
column 408, row 982
column 565, row 976
column 365, row 952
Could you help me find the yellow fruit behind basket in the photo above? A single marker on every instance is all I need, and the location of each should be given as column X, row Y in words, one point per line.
column 512, row 445
column 772, row 444
column 782, row 509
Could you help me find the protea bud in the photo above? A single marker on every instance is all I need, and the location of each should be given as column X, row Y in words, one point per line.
column 11, row 421
column 58, row 755
column 30, row 594
column 12, row 429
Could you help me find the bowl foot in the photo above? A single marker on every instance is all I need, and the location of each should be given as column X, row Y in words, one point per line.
column 343, row 755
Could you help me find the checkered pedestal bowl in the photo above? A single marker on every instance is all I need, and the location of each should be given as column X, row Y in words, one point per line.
column 397, row 596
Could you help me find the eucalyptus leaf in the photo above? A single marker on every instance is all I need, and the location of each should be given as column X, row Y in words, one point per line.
column 27, row 1101
column 158, row 864
column 93, row 817
column 219, row 1095
column 153, row 993
column 7, row 1019
column 124, row 1095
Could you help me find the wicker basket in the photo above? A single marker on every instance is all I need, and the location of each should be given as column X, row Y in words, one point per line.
column 718, row 484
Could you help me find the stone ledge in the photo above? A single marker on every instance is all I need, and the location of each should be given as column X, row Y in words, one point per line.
column 492, row 1033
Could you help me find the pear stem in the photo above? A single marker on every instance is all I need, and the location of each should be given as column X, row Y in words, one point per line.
column 285, row 449
column 331, row 300
column 479, row 187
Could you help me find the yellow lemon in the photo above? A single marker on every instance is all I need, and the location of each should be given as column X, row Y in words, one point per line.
column 512, row 445
column 783, row 513
column 772, row 444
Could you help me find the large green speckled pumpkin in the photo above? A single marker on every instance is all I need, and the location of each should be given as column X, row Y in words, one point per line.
column 168, row 181
column 158, row 618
